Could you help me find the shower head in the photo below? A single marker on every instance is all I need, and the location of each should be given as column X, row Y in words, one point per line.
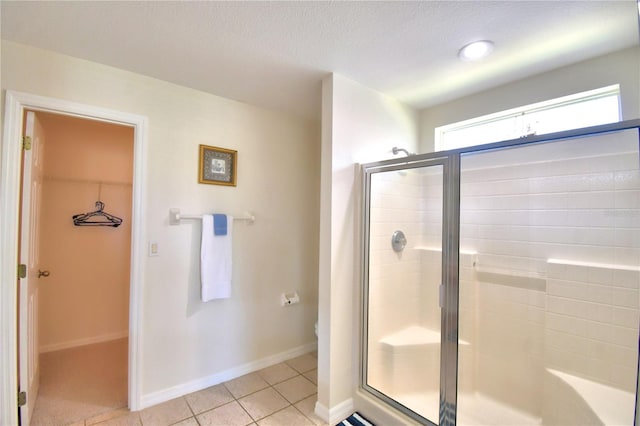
column 395, row 151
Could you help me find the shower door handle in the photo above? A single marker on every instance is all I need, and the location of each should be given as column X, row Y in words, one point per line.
column 441, row 295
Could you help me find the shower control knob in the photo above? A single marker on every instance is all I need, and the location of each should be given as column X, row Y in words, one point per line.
column 398, row 241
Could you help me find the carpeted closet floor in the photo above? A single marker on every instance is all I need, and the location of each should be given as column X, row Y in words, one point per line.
column 80, row 383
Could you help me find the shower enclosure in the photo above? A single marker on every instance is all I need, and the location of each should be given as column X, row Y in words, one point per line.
column 501, row 283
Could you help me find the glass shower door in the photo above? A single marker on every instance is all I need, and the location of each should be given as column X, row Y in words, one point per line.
column 403, row 272
column 501, row 283
column 550, row 285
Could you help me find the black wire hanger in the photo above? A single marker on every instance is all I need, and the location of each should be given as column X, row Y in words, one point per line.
column 97, row 218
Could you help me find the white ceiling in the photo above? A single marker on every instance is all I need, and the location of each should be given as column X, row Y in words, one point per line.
column 274, row 54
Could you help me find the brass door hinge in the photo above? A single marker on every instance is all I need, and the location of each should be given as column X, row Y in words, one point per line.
column 22, row 270
column 26, row 143
column 22, row 398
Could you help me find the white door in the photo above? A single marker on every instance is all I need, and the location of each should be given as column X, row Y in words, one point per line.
column 29, row 256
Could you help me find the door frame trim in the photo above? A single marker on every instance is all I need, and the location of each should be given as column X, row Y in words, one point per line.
column 10, row 166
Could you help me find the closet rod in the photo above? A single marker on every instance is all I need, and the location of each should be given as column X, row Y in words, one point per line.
column 175, row 216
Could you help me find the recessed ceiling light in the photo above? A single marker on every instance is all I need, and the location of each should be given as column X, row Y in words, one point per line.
column 475, row 50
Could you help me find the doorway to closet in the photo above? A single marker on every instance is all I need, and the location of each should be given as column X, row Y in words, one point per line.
column 82, row 238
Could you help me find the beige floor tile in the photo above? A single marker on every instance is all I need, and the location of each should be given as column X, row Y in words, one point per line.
column 296, row 389
column 312, row 375
column 231, row 414
column 277, row 373
column 263, row 403
column 191, row 421
column 307, row 407
column 303, row 363
column 293, row 381
column 208, row 398
column 167, row 413
column 290, row 416
column 245, row 385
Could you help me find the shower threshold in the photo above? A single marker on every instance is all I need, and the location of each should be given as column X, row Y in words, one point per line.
column 478, row 409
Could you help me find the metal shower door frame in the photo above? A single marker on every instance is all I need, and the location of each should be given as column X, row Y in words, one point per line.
column 450, row 160
column 449, row 275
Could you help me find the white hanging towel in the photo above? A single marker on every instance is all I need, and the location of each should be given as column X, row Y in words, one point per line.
column 215, row 260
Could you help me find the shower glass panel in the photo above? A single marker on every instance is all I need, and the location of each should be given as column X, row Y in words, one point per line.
column 549, row 282
column 401, row 342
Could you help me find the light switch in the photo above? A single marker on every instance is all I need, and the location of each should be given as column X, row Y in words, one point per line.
column 153, row 248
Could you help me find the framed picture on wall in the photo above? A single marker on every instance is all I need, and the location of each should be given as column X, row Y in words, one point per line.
column 218, row 166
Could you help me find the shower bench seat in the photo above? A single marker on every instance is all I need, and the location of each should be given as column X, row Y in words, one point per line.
column 414, row 335
column 587, row 400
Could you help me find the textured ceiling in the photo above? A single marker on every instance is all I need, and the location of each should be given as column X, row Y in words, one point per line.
column 274, row 54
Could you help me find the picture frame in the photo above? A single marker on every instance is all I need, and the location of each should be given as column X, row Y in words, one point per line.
column 217, row 166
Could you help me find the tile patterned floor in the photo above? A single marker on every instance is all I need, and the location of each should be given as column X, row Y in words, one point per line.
column 283, row 394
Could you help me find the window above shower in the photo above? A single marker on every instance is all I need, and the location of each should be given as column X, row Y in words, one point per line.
column 585, row 109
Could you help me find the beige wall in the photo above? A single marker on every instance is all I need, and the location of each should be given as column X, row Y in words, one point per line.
column 187, row 343
column 86, row 297
column 359, row 126
column 621, row 67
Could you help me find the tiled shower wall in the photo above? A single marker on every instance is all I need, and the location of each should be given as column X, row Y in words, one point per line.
column 410, row 201
column 550, row 240
column 577, row 202
column 592, row 322
column 400, row 200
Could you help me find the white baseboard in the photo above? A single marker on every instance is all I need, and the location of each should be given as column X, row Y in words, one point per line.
column 321, row 411
column 335, row 414
column 82, row 342
column 167, row 394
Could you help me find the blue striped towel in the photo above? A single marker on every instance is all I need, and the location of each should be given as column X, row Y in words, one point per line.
column 355, row 420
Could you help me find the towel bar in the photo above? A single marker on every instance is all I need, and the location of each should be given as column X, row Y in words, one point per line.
column 175, row 216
